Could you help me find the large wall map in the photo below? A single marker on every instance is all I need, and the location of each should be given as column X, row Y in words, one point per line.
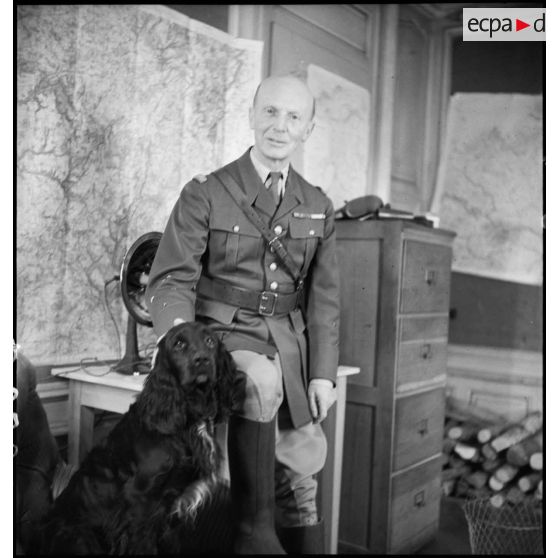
column 489, row 188
column 118, row 107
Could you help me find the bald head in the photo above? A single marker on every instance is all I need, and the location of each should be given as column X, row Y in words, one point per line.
column 288, row 81
column 282, row 119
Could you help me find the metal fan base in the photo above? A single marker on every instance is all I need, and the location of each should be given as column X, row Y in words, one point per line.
column 131, row 362
column 132, row 365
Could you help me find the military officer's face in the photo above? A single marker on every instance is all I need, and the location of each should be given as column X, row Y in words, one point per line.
column 281, row 119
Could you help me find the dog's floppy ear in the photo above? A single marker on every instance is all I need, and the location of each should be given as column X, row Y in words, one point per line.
column 231, row 384
column 161, row 404
column 159, row 358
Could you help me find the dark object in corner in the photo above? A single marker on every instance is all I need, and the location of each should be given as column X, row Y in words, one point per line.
column 36, row 461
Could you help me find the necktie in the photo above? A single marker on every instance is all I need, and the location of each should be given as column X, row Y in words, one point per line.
column 275, row 177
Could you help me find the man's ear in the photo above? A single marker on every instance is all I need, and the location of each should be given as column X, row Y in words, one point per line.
column 308, row 130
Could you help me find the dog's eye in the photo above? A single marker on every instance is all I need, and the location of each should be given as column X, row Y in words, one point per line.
column 210, row 342
column 180, row 344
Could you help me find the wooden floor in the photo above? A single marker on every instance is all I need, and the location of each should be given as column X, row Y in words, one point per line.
column 453, row 536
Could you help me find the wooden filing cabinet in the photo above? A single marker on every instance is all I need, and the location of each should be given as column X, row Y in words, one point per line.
column 395, row 279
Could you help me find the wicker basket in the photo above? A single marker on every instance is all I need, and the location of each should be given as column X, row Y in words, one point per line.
column 511, row 529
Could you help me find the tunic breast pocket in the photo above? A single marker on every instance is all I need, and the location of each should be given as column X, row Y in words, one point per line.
column 232, row 240
column 305, row 234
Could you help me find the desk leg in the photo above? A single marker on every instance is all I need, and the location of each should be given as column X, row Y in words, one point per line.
column 80, row 426
column 330, row 476
column 338, row 460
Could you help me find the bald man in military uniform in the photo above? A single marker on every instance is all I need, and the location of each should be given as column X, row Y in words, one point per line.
column 213, row 265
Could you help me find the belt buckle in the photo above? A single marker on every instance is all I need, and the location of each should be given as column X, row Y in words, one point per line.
column 266, row 303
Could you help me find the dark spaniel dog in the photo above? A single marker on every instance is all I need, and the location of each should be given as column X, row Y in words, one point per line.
column 141, row 489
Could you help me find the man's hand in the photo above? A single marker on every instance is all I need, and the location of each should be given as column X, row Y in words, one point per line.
column 321, row 396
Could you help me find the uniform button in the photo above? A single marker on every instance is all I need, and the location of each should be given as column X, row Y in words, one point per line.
column 278, row 229
column 273, row 266
column 311, row 232
column 273, row 285
column 236, row 228
column 164, row 304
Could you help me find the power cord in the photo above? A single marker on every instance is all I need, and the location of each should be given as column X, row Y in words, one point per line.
column 84, row 365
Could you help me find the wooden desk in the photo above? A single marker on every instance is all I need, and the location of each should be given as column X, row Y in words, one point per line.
column 115, row 392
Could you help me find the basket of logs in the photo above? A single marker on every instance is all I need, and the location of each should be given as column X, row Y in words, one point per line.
column 497, row 468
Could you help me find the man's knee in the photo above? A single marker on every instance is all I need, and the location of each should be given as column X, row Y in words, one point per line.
column 264, row 389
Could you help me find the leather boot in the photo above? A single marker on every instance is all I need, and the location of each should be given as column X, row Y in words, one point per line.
column 251, row 449
column 303, row 539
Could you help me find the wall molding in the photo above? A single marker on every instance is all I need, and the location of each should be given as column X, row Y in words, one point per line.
column 383, row 100
column 346, row 22
column 508, row 382
column 508, row 366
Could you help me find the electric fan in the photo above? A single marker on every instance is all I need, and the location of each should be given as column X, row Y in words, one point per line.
column 134, row 275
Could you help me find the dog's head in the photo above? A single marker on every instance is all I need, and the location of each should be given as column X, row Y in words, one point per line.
column 193, row 378
column 190, row 353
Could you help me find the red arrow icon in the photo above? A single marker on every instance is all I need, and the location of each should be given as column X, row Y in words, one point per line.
column 519, row 25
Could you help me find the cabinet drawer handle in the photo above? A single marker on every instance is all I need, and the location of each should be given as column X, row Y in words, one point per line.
column 423, row 427
column 419, row 499
column 426, row 351
column 430, row 277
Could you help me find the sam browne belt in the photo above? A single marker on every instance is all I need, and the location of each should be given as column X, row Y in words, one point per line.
column 266, row 303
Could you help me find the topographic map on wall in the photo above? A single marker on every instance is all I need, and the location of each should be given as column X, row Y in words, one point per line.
column 118, row 107
column 336, row 154
column 489, row 188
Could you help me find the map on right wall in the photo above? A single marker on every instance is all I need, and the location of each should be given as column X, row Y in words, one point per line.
column 489, row 185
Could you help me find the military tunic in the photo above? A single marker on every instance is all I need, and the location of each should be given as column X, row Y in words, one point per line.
column 208, row 234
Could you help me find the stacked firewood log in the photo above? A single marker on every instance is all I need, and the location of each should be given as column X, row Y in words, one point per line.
column 486, row 456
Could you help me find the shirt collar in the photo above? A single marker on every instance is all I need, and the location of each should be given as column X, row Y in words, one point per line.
column 263, row 171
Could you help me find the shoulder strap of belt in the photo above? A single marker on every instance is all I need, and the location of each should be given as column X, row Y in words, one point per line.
column 272, row 240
